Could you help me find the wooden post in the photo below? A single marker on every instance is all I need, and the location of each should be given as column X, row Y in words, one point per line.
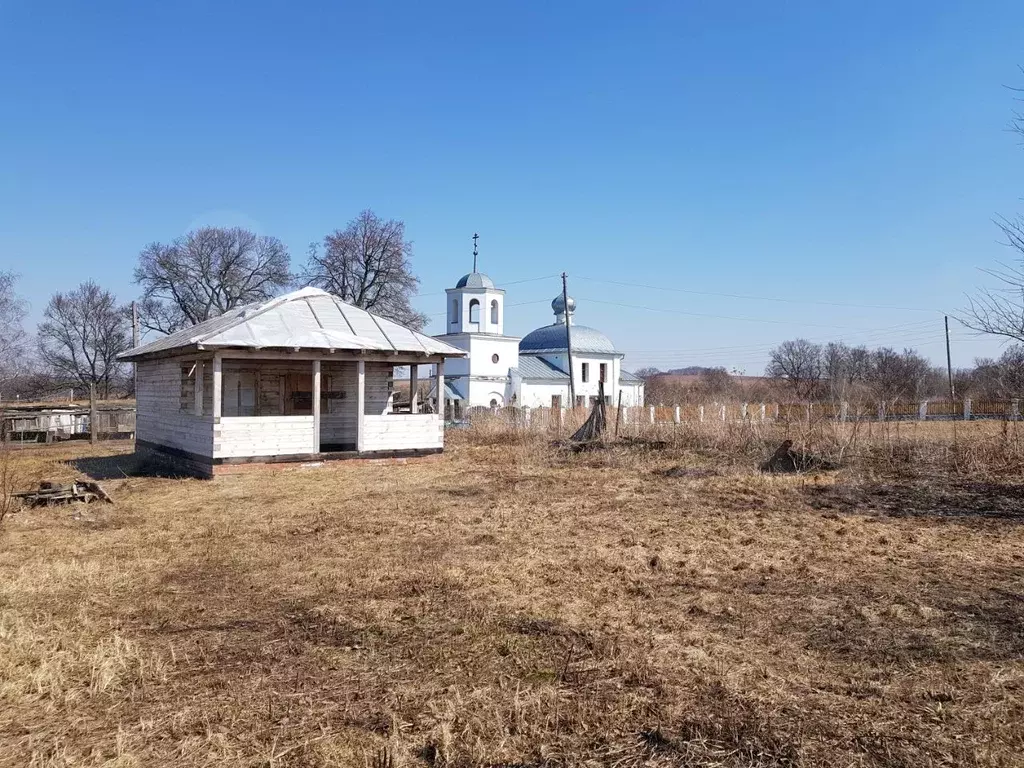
column 414, row 385
column 922, row 410
column 93, row 426
column 316, row 406
column 700, row 413
column 618, row 414
column 676, row 416
column 197, row 405
column 442, row 409
column 361, row 401
column 218, row 387
column 652, row 414
column 722, row 410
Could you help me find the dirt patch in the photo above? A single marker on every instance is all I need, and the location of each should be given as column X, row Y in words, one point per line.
column 923, row 497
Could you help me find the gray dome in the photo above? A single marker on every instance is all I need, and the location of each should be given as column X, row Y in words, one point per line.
column 475, row 280
column 551, row 338
column 558, row 304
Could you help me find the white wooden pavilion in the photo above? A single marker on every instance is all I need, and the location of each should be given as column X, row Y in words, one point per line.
column 302, row 377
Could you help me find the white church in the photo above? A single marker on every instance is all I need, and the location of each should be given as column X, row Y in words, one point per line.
column 531, row 371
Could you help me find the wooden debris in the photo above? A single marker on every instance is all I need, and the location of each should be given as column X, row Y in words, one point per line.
column 594, row 426
column 787, row 460
column 48, row 494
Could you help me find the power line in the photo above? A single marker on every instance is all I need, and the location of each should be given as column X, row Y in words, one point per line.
column 755, row 298
column 715, row 317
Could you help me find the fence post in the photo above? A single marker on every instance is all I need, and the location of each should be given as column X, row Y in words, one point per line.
column 700, row 413
column 967, row 409
column 722, row 409
column 763, row 412
column 922, row 411
column 1015, row 409
column 776, row 411
column 675, row 417
column 652, row 414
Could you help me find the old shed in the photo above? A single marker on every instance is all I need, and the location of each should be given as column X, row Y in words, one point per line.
column 301, row 377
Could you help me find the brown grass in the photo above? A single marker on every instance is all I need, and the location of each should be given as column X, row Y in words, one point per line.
column 513, row 604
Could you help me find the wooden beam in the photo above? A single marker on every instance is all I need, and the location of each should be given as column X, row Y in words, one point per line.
column 414, row 383
column 440, row 389
column 218, row 389
column 197, row 406
column 316, row 405
column 360, row 403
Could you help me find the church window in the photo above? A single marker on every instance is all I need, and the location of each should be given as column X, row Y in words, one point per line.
column 604, row 372
column 494, row 358
column 474, row 311
column 455, row 312
column 494, row 312
column 585, row 372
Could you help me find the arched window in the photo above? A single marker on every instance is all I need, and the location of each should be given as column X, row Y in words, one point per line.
column 474, row 311
column 455, row 312
column 494, row 312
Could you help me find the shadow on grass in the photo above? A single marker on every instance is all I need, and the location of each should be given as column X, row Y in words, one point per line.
column 962, row 500
column 125, row 465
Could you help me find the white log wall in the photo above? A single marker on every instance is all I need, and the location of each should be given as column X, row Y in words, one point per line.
column 403, row 431
column 237, row 436
column 160, row 418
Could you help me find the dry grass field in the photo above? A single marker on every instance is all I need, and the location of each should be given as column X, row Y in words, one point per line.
column 510, row 604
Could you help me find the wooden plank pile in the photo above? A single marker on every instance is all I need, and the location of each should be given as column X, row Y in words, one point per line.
column 49, row 494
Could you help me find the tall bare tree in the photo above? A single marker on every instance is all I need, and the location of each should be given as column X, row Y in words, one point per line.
column 905, row 375
column 1000, row 310
column 12, row 334
column 368, row 264
column 798, row 364
column 82, row 334
column 205, row 273
column 844, row 368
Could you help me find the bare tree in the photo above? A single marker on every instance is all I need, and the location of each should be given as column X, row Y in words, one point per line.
column 646, row 373
column 797, row 363
column 906, row 375
column 82, row 334
column 12, row 334
column 843, row 368
column 207, row 272
column 715, row 382
column 1000, row 310
column 368, row 265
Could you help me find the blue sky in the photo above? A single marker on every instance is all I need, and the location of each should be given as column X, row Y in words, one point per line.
column 842, row 152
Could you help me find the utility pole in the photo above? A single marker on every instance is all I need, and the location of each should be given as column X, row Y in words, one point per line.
column 949, row 364
column 568, row 340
